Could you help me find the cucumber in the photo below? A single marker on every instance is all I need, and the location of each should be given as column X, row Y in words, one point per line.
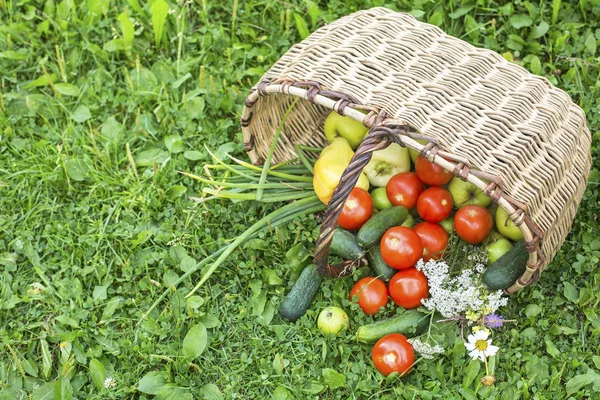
column 299, row 298
column 507, row 269
column 406, row 323
column 344, row 245
column 374, row 228
column 382, row 270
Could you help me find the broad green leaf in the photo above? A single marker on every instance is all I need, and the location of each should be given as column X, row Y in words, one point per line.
column 210, row 321
column 99, row 293
column 46, row 358
column 159, row 11
column 63, row 389
column 210, row 391
column 278, row 364
column 301, row 25
column 148, row 157
column 195, row 302
column 187, row 263
column 555, row 9
column 181, row 81
column 472, row 27
column 67, row 89
column 111, row 129
column 81, row 114
column 13, row 55
column 152, row 382
column 175, row 192
column 520, row 21
column 333, row 379
column 539, row 30
column 97, row 373
column 535, row 65
column 418, row 14
column 75, row 169
column 532, row 310
column 172, row 392
column 460, row 11
column 174, row 144
column 467, row 394
column 44, row 392
column 471, row 373
column 436, row 19
column 578, row 381
column 551, row 347
column 114, row 45
column 590, row 43
column 195, row 340
column 127, row 29
column 313, row 11
column 281, row 393
column 42, row 81
column 193, row 155
column 570, row 291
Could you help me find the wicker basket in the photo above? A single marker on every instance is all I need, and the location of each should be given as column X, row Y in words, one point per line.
column 511, row 133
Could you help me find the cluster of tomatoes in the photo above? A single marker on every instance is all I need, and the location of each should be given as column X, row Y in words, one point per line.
column 401, row 247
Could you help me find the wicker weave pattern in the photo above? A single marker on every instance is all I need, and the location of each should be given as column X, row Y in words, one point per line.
column 505, row 121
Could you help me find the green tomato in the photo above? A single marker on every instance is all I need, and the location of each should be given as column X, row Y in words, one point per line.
column 332, row 320
column 380, row 199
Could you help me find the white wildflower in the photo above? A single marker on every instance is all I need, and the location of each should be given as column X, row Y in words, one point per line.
column 425, row 349
column 480, row 346
column 110, row 383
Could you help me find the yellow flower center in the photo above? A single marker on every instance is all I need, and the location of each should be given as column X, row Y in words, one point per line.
column 481, row 345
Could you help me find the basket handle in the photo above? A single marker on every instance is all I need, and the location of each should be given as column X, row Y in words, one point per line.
column 378, row 138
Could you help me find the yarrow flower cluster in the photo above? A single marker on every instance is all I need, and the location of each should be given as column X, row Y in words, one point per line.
column 110, row 383
column 425, row 349
column 462, row 294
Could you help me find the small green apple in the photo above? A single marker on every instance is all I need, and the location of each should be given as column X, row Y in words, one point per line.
column 465, row 194
column 386, row 163
column 350, row 129
column 332, row 320
column 448, row 224
column 380, row 199
column 498, row 248
column 506, row 227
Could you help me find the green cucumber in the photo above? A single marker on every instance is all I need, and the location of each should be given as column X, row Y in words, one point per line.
column 344, row 245
column 382, row 270
column 507, row 269
column 299, row 298
column 374, row 228
column 407, row 323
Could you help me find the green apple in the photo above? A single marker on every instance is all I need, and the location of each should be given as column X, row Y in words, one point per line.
column 386, row 163
column 506, row 227
column 465, row 194
column 332, row 320
column 350, row 129
column 498, row 248
column 409, row 222
column 414, row 153
column 448, row 224
column 380, row 199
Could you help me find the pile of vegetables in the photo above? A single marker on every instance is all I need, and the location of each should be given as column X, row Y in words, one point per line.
column 409, row 214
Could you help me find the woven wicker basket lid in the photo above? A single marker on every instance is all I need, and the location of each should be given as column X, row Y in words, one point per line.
column 501, row 119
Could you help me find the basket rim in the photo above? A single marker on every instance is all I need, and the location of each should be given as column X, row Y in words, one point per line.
column 517, row 211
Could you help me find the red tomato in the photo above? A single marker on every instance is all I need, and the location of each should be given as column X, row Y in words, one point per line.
column 357, row 210
column 435, row 204
column 401, row 247
column 372, row 294
column 473, row 223
column 434, row 237
column 393, row 353
column 408, row 287
column 404, row 189
column 430, row 173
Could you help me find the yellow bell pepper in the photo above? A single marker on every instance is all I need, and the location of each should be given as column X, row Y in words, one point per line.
column 329, row 169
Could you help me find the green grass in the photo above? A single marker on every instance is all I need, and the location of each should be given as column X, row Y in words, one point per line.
column 101, row 103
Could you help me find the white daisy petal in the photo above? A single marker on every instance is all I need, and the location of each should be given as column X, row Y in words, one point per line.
column 491, row 350
column 474, row 354
column 470, row 346
column 472, row 339
column 481, row 335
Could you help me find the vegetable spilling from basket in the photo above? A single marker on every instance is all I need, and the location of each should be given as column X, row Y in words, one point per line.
column 426, row 236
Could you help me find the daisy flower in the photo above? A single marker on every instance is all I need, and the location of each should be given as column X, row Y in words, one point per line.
column 479, row 346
